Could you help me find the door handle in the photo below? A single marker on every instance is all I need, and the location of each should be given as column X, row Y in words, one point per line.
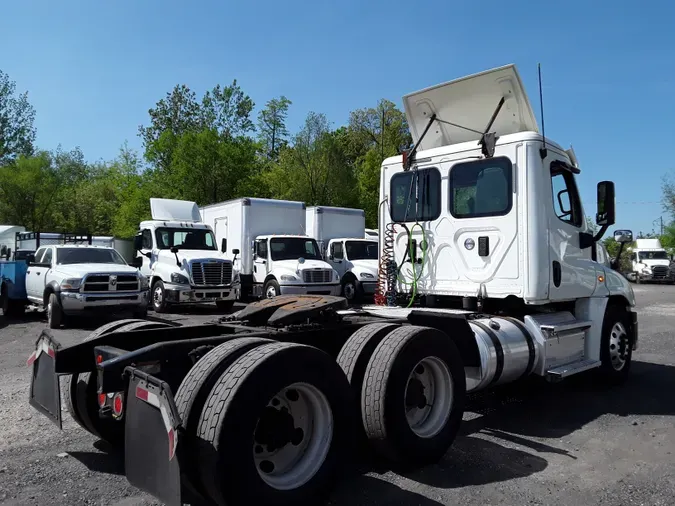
column 39, row 273
column 27, row 272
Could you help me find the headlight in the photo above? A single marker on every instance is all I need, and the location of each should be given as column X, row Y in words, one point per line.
column 179, row 279
column 367, row 275
column 71, row 284
column 286, row 277
column 646, row 270
column 337, row 276
column 145, row 282
column 235, row 277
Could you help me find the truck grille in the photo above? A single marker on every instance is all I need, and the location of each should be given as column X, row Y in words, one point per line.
column 660, row 271
column 317, row 276
column 211, row 273
column 111, row 283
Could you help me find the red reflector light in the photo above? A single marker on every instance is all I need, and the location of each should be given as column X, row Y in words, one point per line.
column 101, row 400
column 142, row 394
column 118, row 404
column 99, row 359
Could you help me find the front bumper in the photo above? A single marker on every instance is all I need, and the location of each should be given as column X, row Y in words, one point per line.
column 177, row 294
column 75, row 302
column 311, row 289
column 368, row 287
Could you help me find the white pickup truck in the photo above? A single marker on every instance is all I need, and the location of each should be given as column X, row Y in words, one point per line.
column 74, row 279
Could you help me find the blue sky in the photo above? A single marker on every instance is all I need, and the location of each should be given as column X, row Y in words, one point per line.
column 94, row 68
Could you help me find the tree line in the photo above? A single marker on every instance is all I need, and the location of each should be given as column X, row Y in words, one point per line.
column 205, row 149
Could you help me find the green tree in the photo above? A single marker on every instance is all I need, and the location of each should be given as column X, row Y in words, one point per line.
column 224, row 109
column 272, row 130
column 315, row 169
column 17, row 133
column 28, row 188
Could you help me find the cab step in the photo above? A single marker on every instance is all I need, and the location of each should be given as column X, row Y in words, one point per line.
column 559, row 373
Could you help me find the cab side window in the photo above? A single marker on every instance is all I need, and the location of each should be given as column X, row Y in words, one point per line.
column 47, row 259
column 566, row 202
column 147, row 239
column 38, row 255
column 261, row 249
column 336, row 251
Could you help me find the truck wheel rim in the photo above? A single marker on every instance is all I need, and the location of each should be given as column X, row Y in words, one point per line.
column 618, row 346
column 350, row 290
column 157, row 296
column 428, row 397
column 49, row 311
column 271, row 292
column 293, row 436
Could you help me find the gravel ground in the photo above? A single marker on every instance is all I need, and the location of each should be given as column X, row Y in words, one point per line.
column 535, row 443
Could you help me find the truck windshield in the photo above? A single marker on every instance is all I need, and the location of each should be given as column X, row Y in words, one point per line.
column 182, row 238
column 361, row 250
column 66, row 256
column 653, row 255
column 292, row 248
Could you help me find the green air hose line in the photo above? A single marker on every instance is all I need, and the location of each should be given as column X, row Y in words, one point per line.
column 415, row 275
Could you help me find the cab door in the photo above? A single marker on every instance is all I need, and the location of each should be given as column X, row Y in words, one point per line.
column 148, row 253
column 572, row 268
column 336, row 257
column 260, row 261
column 37, row 273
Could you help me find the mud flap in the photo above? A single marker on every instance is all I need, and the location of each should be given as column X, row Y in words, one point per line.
column 151, row 437
column 45, row 394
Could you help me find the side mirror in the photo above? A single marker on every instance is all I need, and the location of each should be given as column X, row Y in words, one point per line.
column 223, row 245
column 623, row 236
column 137, row 262
column 138, row 243
column 235, row 251
column 606, row 214
column 174, row 249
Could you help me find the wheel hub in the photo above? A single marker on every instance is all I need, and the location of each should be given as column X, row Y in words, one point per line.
column 618, row 346
column 428, row 397
column 293, row 436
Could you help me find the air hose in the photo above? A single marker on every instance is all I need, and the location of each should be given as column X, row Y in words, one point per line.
column 416, row 274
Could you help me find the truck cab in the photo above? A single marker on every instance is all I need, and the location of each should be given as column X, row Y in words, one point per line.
column 650, row 262
column 356, row 262
column 292, row 264
column 491, row 219
column 179, row 254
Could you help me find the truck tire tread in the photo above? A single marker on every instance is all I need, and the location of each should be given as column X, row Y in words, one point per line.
column 395, row 357
column 230, row 412
column 197, row 385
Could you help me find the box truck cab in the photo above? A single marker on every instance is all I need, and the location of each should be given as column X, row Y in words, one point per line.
column 179, row 253
column 650, row 262
column 270, row 249
column 339, row 232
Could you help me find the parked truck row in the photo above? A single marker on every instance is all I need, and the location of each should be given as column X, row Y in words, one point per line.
column 489, row 274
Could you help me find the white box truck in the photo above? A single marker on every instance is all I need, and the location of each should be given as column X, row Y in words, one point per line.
column 179, row 253
column 266, row 240
column 650, row 262
column 340, row 233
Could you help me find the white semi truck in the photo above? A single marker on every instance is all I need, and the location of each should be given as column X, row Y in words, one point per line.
column 266, row 407
column 340, row 231
column 650, row 262
column 179, row 254
column 270, row 249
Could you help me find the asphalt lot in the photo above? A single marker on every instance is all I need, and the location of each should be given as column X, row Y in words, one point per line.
column 530, row 444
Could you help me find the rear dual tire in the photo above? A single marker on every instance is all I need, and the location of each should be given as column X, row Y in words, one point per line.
column 411, row 385
column 277, row 423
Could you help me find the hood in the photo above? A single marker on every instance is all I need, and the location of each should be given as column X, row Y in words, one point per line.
column 365, row 266
column 294, row 265
column 652, row 262
column 79, row 270
column 191, row 254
